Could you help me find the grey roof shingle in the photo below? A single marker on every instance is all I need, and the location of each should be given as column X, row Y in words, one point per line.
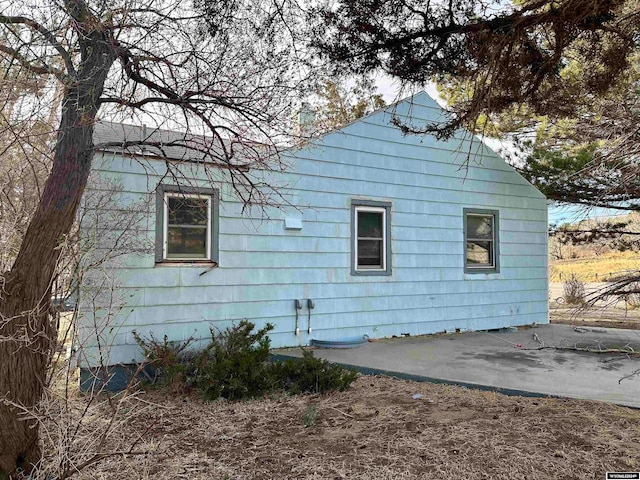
column 144, row 141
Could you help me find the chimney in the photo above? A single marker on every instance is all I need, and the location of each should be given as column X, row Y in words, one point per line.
column 143, row 138
column 306, row 121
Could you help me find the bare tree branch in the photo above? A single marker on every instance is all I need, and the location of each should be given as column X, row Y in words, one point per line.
column 48, row 36
column 26, row 63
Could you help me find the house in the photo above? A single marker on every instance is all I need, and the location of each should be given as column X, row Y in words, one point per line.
column 390, row 234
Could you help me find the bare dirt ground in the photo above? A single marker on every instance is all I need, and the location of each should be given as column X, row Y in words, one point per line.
column 377, row 430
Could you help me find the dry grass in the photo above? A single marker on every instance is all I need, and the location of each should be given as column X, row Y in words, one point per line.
column 594, row 269
column 378, row 431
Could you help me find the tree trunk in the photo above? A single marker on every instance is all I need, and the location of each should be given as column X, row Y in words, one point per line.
column 27, row 334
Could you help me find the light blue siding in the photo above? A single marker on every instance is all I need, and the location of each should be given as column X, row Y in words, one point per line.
column 263, row 267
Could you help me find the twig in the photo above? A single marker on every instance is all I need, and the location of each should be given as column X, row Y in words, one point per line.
column 589, row 350
column 635, row 372
column 340, row 411
column 499, row 338
column 98, row 457
column 134, row 444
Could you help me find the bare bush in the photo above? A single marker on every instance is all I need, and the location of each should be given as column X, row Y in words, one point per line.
column 79, row 430
column 230, row 73
column 633, row 300
column 574, row 291
column 632, row 296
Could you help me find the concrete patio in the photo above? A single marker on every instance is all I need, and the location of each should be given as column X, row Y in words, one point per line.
column 519, row 362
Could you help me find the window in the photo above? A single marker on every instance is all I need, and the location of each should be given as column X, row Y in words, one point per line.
column 371, row 249
column 186, row 226
column 481, row 241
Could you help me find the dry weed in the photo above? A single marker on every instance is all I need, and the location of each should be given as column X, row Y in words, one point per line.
column 378, row 430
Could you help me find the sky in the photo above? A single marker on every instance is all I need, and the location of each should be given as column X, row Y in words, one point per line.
column 559, row 214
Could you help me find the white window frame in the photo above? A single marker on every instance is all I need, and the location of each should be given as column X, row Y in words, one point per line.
column 364, row 268
column 165, row 234
column 492, row 267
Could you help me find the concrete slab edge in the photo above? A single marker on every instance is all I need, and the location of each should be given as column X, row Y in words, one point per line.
column 278, row 357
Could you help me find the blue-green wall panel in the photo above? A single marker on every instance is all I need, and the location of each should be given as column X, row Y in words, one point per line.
column 263, row 267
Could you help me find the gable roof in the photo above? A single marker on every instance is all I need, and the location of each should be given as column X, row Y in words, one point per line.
column 140, row 140
column 470, row 152
column 168, row 144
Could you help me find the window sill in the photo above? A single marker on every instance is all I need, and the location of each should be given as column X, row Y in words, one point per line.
column 187, row 263
column 481, row 274
column 370, row 273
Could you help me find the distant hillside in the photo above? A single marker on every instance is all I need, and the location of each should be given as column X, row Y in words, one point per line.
column 581, row 250
column 600, row 268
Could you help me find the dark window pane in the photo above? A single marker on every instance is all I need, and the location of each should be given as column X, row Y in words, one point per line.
column 480, row 253
column 187, row 211
column 479, row 227
column 370, row 224
column 370, row 253
column 187, row 242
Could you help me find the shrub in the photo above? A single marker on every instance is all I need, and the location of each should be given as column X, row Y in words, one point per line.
column 574, row 291
column 235, row 365
column 310, row 416
column 311, row 374
column 169, row 360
